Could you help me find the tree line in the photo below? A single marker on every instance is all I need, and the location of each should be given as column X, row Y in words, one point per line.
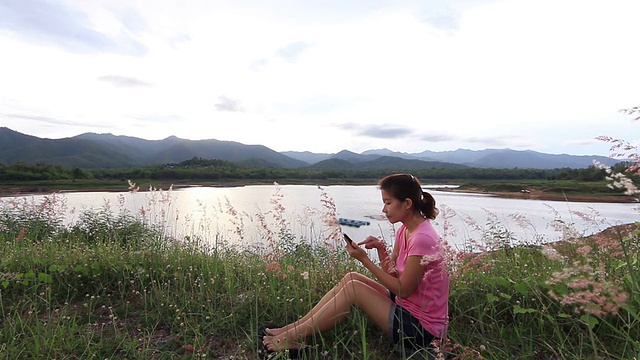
column 199, row 169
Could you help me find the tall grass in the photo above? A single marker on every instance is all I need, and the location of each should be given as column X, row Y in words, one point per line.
column 115, row 285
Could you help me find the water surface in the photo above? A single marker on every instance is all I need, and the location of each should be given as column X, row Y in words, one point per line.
column 251, row 214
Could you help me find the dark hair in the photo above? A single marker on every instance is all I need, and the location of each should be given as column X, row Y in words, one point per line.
column 407, row 186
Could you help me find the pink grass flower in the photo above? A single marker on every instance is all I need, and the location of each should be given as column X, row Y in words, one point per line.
column 332, row 230
column 590, row 292
column 621, row 149
column 132, row 186
column 584, row 250
column 551, row 253
column 21, row 235
column 274, row 267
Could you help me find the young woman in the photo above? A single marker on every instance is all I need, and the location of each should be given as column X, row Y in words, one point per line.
column 408, row 298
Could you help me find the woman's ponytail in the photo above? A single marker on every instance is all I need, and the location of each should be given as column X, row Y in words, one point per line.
column 428, row 208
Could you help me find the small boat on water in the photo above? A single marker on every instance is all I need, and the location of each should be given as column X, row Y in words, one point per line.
column 352, row 222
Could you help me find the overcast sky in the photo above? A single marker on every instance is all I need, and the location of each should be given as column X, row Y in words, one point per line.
column 324, row 76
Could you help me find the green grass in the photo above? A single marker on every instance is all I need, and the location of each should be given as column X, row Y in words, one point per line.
column 595, row 188
column 112, row 287
column 57, row 185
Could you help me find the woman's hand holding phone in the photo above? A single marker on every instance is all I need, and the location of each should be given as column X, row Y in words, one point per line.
column 354, row 248
column 347, row 239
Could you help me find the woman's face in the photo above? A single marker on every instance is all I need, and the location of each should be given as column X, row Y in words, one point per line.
column 394, row 209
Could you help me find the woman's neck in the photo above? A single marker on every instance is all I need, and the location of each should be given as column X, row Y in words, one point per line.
column 412, row 223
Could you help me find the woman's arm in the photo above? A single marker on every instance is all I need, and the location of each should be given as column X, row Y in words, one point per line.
column 406, row 284
column 403, row 286
column 387, row 261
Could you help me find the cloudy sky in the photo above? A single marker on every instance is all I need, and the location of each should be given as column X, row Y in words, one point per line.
column 323, row 76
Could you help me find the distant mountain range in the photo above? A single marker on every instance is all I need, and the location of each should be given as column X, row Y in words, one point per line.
column 107, row 151
column 489, row 158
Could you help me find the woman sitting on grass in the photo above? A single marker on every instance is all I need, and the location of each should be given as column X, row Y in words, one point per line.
column 409, row 300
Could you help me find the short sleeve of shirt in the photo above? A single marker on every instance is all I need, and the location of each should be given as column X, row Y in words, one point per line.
column 422, row 243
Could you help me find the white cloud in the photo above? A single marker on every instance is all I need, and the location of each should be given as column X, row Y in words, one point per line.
column 123, row 81
column 55, row 23
column 226, row 104
column 406, row 75
column 292, row 51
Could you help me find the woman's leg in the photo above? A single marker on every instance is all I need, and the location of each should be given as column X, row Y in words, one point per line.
column 330, row 295
column 333, row 309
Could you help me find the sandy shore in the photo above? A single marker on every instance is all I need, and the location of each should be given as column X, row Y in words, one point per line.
column 542, row 195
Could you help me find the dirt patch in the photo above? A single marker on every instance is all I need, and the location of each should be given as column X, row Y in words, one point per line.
column 543, row 195
column 618, row 231
column 611, row 235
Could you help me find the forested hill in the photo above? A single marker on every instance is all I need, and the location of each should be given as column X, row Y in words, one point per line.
column 107, row 151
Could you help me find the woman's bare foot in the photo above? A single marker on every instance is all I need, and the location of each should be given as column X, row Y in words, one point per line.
column 280, row 342
column 275, row 331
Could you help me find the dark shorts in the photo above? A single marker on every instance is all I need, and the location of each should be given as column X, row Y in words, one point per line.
column 407, row 328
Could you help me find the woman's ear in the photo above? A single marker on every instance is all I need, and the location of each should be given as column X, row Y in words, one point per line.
column 408, row 203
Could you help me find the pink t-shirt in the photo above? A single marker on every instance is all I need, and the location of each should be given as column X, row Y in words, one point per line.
column 429, row 302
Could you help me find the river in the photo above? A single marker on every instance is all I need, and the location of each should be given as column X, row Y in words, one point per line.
column 255, row 214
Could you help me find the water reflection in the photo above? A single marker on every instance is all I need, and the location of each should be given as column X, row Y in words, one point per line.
column 253, row 214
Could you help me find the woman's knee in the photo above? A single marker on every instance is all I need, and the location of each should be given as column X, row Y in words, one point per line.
column 350, row 276
column 355, row 287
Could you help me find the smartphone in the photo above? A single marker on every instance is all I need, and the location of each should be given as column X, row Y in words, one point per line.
column 347, row 239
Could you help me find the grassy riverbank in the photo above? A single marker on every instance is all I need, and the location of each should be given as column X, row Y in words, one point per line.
column 9, row 188
column 114, row 285
column 550, row 190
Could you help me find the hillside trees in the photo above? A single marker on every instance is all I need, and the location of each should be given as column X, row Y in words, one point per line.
column 199, row 169
column 40, row 171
